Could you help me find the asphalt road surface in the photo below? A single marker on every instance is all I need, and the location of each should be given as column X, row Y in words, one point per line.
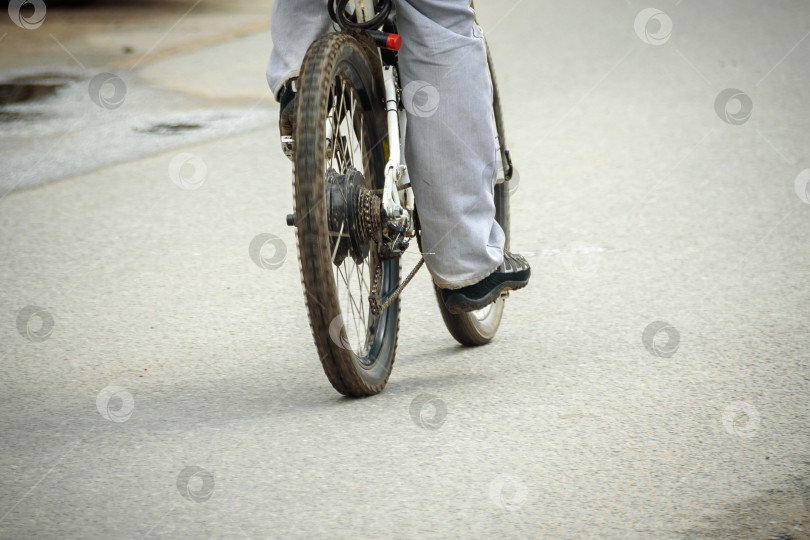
column 651, row 382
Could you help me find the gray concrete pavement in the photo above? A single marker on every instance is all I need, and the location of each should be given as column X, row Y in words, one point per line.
column 169, row 387
column 108, row 106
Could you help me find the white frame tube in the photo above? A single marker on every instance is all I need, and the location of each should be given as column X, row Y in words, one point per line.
column 394, row 166
column 366, row 11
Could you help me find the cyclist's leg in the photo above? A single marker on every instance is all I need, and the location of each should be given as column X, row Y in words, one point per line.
column 294, row 25
column 450, row 144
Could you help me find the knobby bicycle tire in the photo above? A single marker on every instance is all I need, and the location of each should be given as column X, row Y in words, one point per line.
column 339, row 66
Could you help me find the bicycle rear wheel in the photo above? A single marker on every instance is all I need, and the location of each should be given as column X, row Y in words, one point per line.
column 340, row 139
column 479, row 327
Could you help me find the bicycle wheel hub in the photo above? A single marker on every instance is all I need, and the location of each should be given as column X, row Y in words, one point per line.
column 353, row 213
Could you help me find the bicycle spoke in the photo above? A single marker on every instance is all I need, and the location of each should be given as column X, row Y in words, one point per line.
column 348, row 289
column 346, row 140
column 358, row 311
column 337, row 242
column 352, row 315
column 363, row 154
column 360, row 284
column 351, row 129
column 353, row 306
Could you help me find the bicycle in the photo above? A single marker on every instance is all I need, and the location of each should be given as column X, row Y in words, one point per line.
column 354, row 210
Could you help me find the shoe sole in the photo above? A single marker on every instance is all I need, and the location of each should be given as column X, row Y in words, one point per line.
column 458, row 303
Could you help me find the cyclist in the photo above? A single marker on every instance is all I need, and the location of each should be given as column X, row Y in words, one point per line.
column 450, row 148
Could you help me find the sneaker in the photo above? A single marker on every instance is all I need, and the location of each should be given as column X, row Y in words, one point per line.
column 512, row 274
column 286, row 99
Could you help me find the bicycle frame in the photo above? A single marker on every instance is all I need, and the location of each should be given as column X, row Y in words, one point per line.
column 365, row 210
column 396, row 172
column 398, row 211
column 364, row 9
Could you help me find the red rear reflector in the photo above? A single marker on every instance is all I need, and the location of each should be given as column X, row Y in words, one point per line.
column 394, row 42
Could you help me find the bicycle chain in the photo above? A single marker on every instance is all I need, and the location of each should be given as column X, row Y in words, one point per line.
column 374, row 299
column 369, row 205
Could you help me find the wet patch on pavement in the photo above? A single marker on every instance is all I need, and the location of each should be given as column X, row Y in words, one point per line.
column 59, row 124
column 32, row 88
column 168, row 129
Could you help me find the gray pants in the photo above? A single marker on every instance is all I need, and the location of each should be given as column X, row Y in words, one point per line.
column 450, row 147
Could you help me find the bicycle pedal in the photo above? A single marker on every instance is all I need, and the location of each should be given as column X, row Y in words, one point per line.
column 288, row 147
